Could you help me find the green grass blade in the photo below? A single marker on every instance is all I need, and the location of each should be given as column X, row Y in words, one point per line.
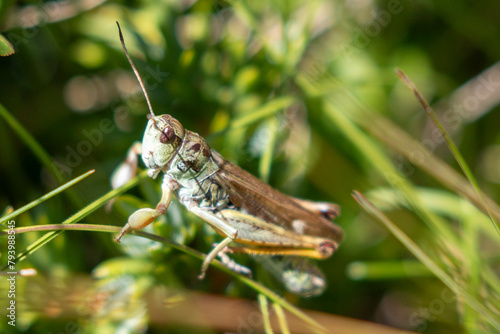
column 42, row 155
column 427, row 261
column 385, row 270
column 46, row 196
column 37, row 149
column 6, row 48
column 449, row 141
column 266, row 318
column 261, row 112
column 266, row 160
column 335, row 109
column 393, row 136
column 79, row 216
column 267, row 109
column 281, row 318
column 382, row 164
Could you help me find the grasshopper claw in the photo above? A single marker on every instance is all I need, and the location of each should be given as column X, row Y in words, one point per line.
column 124, row 230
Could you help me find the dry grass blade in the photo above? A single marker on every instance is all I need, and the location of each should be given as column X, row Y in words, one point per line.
column 451, row 144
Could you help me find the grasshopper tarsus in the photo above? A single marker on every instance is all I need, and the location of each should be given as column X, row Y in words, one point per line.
column 119, row 237
column 231, row 264
column 124, row 231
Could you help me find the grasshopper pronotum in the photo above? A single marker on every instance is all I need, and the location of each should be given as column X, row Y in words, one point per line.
column 244, row 210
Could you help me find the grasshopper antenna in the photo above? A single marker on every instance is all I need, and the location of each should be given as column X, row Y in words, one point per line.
column 135, row 71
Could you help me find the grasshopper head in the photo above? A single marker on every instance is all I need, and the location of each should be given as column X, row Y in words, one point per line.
column 162, row 139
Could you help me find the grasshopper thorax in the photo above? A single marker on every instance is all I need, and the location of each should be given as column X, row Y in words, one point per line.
column 162, row 139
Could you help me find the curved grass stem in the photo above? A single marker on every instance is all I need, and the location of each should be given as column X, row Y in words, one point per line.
column 259, row 288
column 451, row 144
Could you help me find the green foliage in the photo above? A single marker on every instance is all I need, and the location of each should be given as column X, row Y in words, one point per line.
column 302, row 94
column 6, row 48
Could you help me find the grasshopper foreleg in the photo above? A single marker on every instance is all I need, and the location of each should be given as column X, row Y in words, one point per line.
column 143, row 217
column 127, row 169
column 299, row 275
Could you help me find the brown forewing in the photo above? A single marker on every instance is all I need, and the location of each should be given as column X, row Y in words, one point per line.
column 263, row 201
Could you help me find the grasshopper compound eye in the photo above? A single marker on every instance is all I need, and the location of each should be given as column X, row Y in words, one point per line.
column 171, row 130
column 167, row 135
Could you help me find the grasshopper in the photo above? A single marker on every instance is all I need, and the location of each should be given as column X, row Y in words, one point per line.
column 252, row 217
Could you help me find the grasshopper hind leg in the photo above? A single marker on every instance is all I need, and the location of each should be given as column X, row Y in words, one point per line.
column 299, row 275
column 219, row 225
column 325, row 209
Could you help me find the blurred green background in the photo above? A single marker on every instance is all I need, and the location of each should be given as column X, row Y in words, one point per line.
column 292, row 91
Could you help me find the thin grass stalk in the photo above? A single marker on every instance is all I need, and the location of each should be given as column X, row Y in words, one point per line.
column 427, row 261
column 278, row 310
column 46, row 196
column 259, row 288
column 79, row 216
column 266, row 317
column 451, row 144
